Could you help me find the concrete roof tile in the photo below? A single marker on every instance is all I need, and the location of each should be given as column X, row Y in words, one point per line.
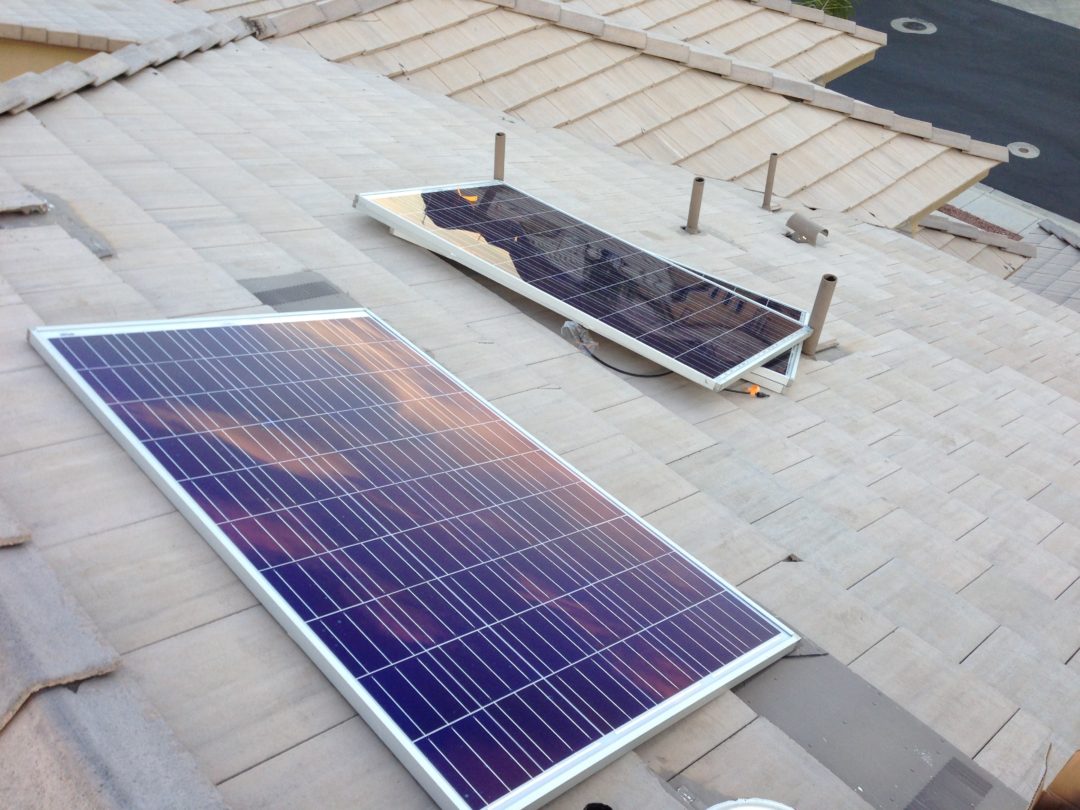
column 61, row 496
column 12, row 530
column 547, row 89
column 1030, row 677
column 935, row 614
column 837, row 621
column 103, row 67
column 676, row 748
column 626, row 782
column 965, row 711
column 330, row 780
column 46, row 639
column 1023, row 752
column 148, row 580
column 32, row 88
column 236, row 691
column 99, row 746
column 277, row 124
column 58, row 21
column 135, row 57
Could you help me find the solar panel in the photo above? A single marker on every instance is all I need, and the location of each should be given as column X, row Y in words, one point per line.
column 503, row 624
column 782, row 368
column 708, row 331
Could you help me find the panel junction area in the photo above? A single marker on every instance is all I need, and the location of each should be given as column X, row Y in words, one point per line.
column 709, row 331
column 503, row 624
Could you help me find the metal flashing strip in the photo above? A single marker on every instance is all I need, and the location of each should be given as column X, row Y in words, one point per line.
column 503, row 624
column 684, row 320
column 871, row 743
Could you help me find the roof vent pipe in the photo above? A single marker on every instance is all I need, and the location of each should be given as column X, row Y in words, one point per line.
column 500, row 155
column 813, row 344
column 694, row 214
column 767, row 203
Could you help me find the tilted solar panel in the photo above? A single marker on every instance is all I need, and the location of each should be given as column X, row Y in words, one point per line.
column 503, row 624
column 708, row 331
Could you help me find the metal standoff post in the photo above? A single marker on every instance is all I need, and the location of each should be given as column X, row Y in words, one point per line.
column 813, row 344
column 767, row 203
column 694, row 214
column 500, row 155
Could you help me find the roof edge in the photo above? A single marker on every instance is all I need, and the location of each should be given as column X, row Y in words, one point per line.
column 818, row 16
column 30, row 89
column 300, row 18
column 767, row 78
column 62, row 37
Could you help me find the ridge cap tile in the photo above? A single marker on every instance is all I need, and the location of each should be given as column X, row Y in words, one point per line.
column 104, row 67
column 67, row 77
column 136, row 57
column 10, row 97
column 103, row 746
column 45, row 637
column 34, row 89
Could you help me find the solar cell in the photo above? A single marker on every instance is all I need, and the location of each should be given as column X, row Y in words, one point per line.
column 708, row 331
column 501, row 622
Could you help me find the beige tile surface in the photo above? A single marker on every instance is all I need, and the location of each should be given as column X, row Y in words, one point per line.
column 908, row 449
column 761, row 759
column 965, row 711
column 829, row 616
column 330, row 779
column 610, row 93
column 236, row 691
column 149, row 580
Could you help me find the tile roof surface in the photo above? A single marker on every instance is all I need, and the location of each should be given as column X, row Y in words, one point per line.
column 792, row 38
column 710, row 111
column 1055, row 270
column 933, row 455
column 95, row 24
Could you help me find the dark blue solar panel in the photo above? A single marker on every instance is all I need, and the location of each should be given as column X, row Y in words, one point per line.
column 711, row 327
column 500, row 609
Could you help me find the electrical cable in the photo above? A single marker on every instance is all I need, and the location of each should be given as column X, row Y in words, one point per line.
column 606, row 364
column 580, row 337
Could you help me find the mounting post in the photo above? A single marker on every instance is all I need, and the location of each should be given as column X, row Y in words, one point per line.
column 500, row 155
column 694, row 214
column 817, row 316
column 767, row 203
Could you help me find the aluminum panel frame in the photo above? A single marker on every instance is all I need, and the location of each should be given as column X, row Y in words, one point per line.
column 532, row 794
column 429, row 240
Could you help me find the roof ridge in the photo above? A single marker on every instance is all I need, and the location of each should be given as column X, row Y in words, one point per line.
column 785, row 7
column 30, row 89
column 714, row 61
column 308, row 15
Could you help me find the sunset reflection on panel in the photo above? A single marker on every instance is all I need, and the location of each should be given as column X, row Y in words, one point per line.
column 499, row 608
